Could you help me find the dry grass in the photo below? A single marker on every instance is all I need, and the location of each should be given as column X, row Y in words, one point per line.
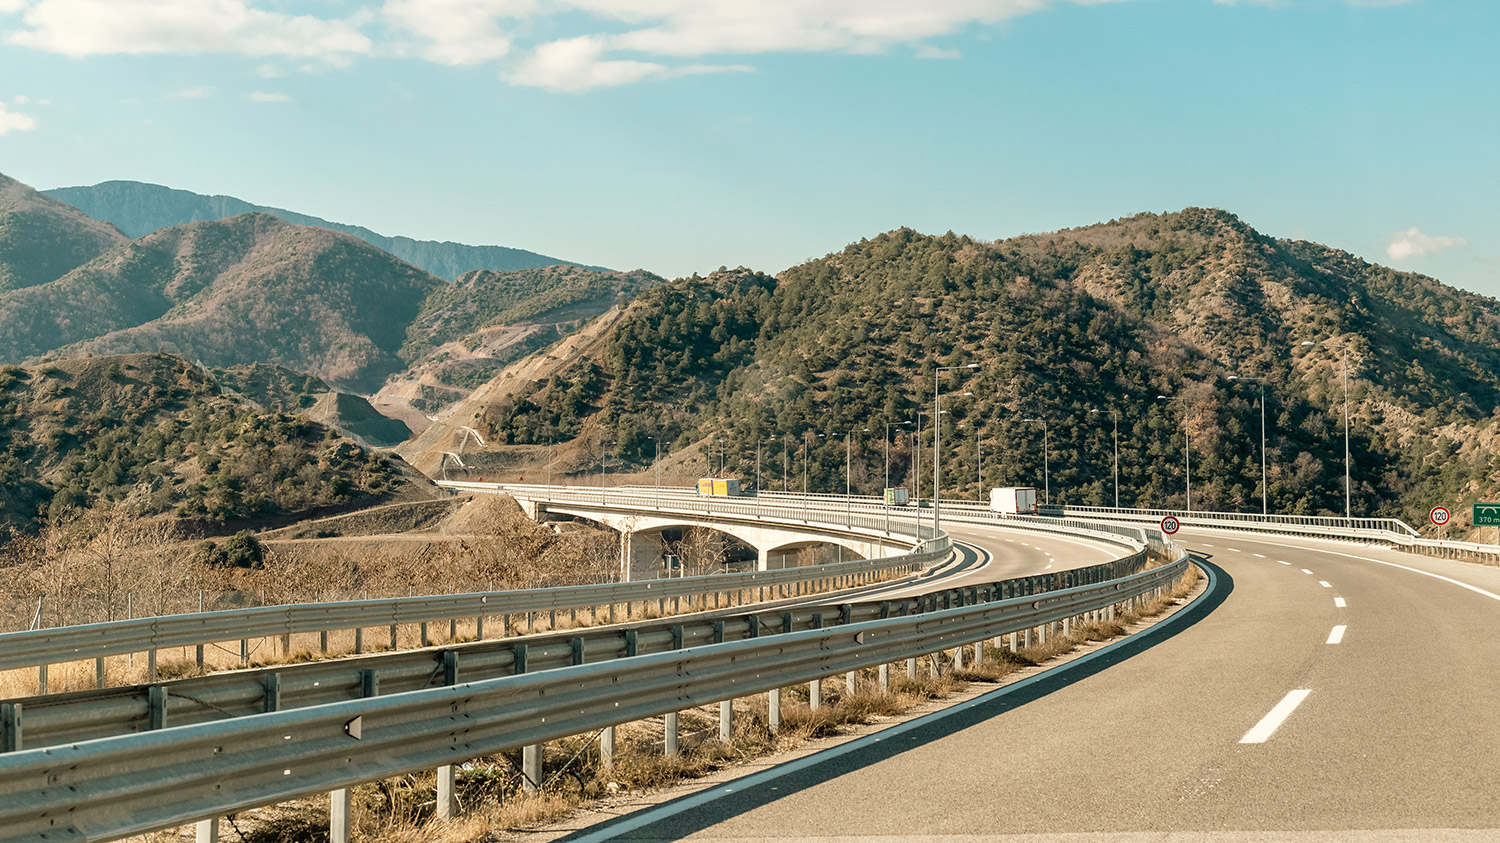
column 490, row 789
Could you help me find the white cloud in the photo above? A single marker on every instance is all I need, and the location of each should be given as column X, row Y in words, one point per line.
column 13, row 121
column 577, row 64
column 265, row 96
column 1412, row 243
column 198, row 93
column 10, row 7
column 457, row 31
column 21, row 99
column 103, row 27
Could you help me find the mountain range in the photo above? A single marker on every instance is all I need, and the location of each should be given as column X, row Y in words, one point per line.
column 254, row 288
column 138, row 208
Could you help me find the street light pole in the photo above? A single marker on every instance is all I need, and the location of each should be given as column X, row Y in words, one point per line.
column 1344, row 357
column 937, row 442
column 1115, row 417
column 1187, row 456
column 1046, row 466
column 1264, row 508
column 603, row 466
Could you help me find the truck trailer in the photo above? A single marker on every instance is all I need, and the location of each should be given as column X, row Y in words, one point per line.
column 719, row 486
column 1014, row 500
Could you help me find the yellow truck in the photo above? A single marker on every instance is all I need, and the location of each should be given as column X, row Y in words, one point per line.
column 719, row 486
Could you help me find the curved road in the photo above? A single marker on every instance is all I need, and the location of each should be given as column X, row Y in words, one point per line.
column 1320, row 691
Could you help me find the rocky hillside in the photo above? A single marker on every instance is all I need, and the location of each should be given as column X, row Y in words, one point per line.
column 1073, row 328
column 42, row 239
column 139, row 209
column 247, row 289
column 153, row 433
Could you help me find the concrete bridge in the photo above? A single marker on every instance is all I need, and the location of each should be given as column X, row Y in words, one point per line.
column 643, row 517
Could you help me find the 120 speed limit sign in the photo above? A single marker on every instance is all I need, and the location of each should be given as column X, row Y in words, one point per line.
column 1170, row 525
column 1439, row 516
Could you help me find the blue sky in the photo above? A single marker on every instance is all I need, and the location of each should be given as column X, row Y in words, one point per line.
column 681, row 135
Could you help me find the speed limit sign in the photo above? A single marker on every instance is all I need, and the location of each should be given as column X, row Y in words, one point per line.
column 1170, row 525
column 1439, row 516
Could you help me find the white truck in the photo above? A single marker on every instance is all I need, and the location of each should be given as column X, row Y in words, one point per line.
column 1014, row 500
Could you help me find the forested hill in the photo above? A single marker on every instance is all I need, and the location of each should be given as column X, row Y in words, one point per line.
column 152, row 434
column 1073, row 328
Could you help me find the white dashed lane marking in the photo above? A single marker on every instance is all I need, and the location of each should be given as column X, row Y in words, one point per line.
column 1325, row 583
column 1305, row 571
column 1337, row 634
column 1339, row 603
column 1268, row 725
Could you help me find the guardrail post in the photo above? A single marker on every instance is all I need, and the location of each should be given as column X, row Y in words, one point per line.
column 885, row 678
column 369, row 683
column 41, row 680
column 273, row 692
column 359, row 640
column 958, row 657
column 911, row 668
column 849, row 682
column 447, row 799
column 607, row 747
column 773, row 710
column 207, row 831
column 10, row 727
column 979, row 652
column 815, row 694
column 726, row 720
column 424, row 633
column 393, row 636
column 99, row 681
column 286, row 645
column 531, row 767
column 244, row 654
column 479, row 627
column 151, row 665
column 669, row 740
column 156, row 708
column 340, row 806
column 323, row 641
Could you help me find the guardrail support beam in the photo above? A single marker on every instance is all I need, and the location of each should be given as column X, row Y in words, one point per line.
column 340, row 807
column 815, row 694
column 670, row 747
column 207, row 831
column 531, row 767
column 773, row 710
column 607, row 747
column 446, row 798
column 726, row 720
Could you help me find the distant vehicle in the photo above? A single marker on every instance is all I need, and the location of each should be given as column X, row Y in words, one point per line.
column 719, row 486
column 896, row 496
column 1014, row 500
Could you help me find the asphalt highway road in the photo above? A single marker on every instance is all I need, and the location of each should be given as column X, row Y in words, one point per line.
column 1318, row 691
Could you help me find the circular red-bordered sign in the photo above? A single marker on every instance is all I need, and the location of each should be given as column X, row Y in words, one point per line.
column 1170, row 525
column 1440, row 516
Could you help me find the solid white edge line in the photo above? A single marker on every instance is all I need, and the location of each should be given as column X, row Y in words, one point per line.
column 1262, row 731
column 1337, row 635
column 1338, row 603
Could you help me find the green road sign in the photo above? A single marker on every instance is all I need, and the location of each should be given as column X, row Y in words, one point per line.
column 1487, row 514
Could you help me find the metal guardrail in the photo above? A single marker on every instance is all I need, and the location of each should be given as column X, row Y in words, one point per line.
column 88, row 715
column 74, row 643
column 110, row 788
column 1309, row 524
